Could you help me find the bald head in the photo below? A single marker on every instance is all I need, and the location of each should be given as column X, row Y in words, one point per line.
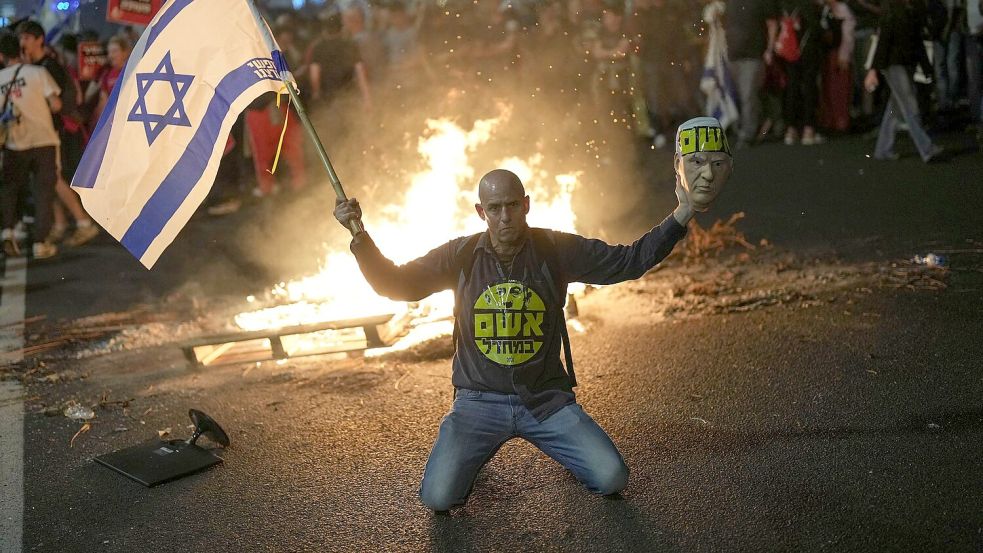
column 503, row 205
column 500, row 181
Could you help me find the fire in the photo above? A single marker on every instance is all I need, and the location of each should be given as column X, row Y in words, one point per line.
column 437, row 206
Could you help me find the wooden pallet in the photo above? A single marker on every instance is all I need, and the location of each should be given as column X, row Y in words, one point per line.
column 349, row 335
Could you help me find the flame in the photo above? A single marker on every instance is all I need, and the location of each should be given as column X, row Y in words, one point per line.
column 436, row 206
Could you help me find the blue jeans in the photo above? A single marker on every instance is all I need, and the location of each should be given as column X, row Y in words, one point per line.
column 480, row 422
column 902, row 105
column 946, row 58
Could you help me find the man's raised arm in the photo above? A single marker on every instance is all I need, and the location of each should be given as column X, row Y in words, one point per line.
column 703, row 165
column 593, row 261
column 413, row 281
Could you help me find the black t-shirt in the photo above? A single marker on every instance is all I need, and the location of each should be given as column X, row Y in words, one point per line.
column 337, row 57
column 747, row 33
column 69, row 106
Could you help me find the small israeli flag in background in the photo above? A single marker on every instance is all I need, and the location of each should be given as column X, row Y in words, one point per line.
column 156, row 149
column 716, row 83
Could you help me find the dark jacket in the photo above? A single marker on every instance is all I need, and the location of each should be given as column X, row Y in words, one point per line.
column 509, row 334
column 900, row 37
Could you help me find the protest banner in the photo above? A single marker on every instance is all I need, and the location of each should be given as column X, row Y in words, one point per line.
column 91, row 59
column 136, row 12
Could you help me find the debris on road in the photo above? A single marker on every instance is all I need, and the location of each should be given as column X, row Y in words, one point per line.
column 62, row 376
column 107, row 332
column 76, row 411
column 702, row 243
column 25, row 322
column 85, row 428
column 105, row 403
column 917, row 277
column 930, row 260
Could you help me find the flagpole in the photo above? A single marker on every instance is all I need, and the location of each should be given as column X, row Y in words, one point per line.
column 354, row 226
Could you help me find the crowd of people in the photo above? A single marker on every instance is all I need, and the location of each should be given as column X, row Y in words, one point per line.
column 818, row 64
column 45, row 129
column 796, row 71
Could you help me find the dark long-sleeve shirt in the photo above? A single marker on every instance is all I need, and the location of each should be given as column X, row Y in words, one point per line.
column 900, row 38
column 509, row 319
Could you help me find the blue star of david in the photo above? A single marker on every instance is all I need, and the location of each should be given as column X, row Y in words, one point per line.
column 154, row 123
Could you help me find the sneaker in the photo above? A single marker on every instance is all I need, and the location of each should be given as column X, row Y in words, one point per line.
column 225, row 207
column 935, row 154
column 82, row 235
column 44, row 250
column 20, row 230
column 10, row 247
column 790, row 138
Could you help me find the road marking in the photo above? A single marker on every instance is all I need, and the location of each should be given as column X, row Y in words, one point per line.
column 12, row 311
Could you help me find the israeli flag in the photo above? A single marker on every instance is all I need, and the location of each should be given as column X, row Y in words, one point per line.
column 156, row 148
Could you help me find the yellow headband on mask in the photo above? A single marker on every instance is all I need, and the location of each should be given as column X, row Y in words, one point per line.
column 701, row 134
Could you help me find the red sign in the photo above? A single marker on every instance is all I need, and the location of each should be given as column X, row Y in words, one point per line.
column 92, row 58
column 137, row 12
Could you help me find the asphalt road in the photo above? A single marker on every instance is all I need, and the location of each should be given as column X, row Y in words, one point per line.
column 848, row 423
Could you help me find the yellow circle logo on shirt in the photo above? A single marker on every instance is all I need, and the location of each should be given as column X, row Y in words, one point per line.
column 508, row 323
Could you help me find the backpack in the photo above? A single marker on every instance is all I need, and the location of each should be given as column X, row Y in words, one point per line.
column 544, row 245
column 787, row 43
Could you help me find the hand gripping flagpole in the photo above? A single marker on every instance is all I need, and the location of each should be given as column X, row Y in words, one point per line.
column 354, row 226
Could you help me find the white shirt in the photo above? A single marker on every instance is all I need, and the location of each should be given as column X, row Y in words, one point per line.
column 29, row 95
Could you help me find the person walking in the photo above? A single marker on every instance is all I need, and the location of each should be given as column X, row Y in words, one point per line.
column 69, row 126
column 899, row 51
column 30, row 98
